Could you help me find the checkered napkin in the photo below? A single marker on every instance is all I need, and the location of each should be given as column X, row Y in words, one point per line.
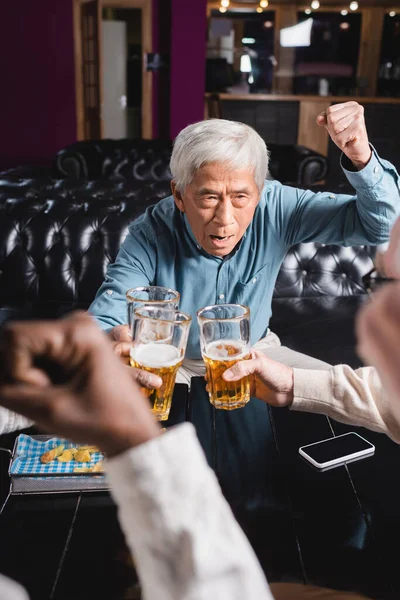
column 28, row 452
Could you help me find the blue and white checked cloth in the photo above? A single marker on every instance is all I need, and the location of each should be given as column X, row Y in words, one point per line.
column 28, row 452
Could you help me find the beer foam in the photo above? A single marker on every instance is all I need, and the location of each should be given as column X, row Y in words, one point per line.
column 212, row 351
column 156, row 355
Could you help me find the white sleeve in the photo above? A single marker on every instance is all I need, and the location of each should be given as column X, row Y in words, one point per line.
column 11, row 590
column 11, row 421
column 356, row 397
column 183, row 536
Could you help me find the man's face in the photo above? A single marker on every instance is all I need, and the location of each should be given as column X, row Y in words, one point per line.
column 219, row 205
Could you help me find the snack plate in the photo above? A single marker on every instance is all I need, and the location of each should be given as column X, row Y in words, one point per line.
column 28, row 450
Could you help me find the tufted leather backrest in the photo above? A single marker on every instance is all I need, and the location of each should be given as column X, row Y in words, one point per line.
column 148, row 160
column 57, row 240
column 138, row 160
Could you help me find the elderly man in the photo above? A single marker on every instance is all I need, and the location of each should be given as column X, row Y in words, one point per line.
column 222, row 235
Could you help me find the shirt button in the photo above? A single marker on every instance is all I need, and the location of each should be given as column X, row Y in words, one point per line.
column 254, row 280
column 109, row 292
column 304, row 272
column 376, row 169
column 221, row 296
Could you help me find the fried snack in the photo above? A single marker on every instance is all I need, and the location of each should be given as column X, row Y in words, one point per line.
column 52, row 454
column 67, row 455
column 83, row 469
column 96, row 468
column 82, row 456
column 89, row 448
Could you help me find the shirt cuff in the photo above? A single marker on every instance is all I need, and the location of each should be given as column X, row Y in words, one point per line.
column 310, row 392
column 11, row 421
column 369, row 176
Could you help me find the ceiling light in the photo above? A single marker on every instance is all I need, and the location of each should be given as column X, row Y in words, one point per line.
column 392, row 13
column 353, row 5
column 264, row 3
column 315, row 4
column 225, row 3
column 259, row 9
column 308, row 11
column 222, row 9
column 248, row 41
column 344, row 12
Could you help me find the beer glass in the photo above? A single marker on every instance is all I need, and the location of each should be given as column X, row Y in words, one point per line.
column 159, row 338
column 150, row 295
column 225, row 340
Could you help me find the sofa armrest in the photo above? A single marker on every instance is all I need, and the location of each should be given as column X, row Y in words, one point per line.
column 296, row 165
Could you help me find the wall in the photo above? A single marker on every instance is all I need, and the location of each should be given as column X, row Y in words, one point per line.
column 161, row 79
column 188, row 60
column 37, row 103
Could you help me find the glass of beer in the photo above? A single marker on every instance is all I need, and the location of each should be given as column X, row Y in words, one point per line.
column 159, row 338
column 225, row 340
column 150, row 295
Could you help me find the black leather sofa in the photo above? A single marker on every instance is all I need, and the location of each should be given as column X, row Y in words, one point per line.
column 58, row 236
column 141, row 161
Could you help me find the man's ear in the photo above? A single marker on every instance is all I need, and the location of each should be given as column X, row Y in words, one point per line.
column 177, row 196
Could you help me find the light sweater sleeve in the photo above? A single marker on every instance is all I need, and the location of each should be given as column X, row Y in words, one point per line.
column 351, row 396
column 183, row 536
column 11, row 590
column 11, row 421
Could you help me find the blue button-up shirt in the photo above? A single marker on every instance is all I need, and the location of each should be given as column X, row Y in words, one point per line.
column 160, row 248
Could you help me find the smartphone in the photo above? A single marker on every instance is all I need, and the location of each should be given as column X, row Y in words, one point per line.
column 337, row 450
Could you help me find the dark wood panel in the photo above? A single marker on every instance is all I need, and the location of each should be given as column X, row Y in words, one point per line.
column 276, row 122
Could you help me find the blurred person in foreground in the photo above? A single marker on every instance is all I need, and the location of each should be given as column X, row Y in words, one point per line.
column 368, row 396
column 64, row 376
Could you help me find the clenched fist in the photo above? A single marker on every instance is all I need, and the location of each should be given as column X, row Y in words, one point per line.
column 345, row 124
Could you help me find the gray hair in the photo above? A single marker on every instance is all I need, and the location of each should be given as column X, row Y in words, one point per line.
column 221, row 141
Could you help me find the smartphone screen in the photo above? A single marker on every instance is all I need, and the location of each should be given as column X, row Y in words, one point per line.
column 337, row 448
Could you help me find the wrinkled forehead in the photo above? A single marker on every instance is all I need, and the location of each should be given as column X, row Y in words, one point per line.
column 222, row 174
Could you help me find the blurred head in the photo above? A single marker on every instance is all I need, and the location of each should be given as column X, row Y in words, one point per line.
column 218, row 169
column 391, row 258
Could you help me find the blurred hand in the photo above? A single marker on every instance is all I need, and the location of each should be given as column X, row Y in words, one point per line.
column 120, row 333
column 270, row 380
column 65, row 376
column 143, row 378
column 391, row 258
column 378, row 334
column 345, row 124
column 378, row 323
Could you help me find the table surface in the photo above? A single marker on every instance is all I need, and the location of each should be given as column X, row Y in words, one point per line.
column 339, row 528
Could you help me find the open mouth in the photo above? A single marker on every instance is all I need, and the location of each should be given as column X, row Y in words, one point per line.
column 220, row 238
